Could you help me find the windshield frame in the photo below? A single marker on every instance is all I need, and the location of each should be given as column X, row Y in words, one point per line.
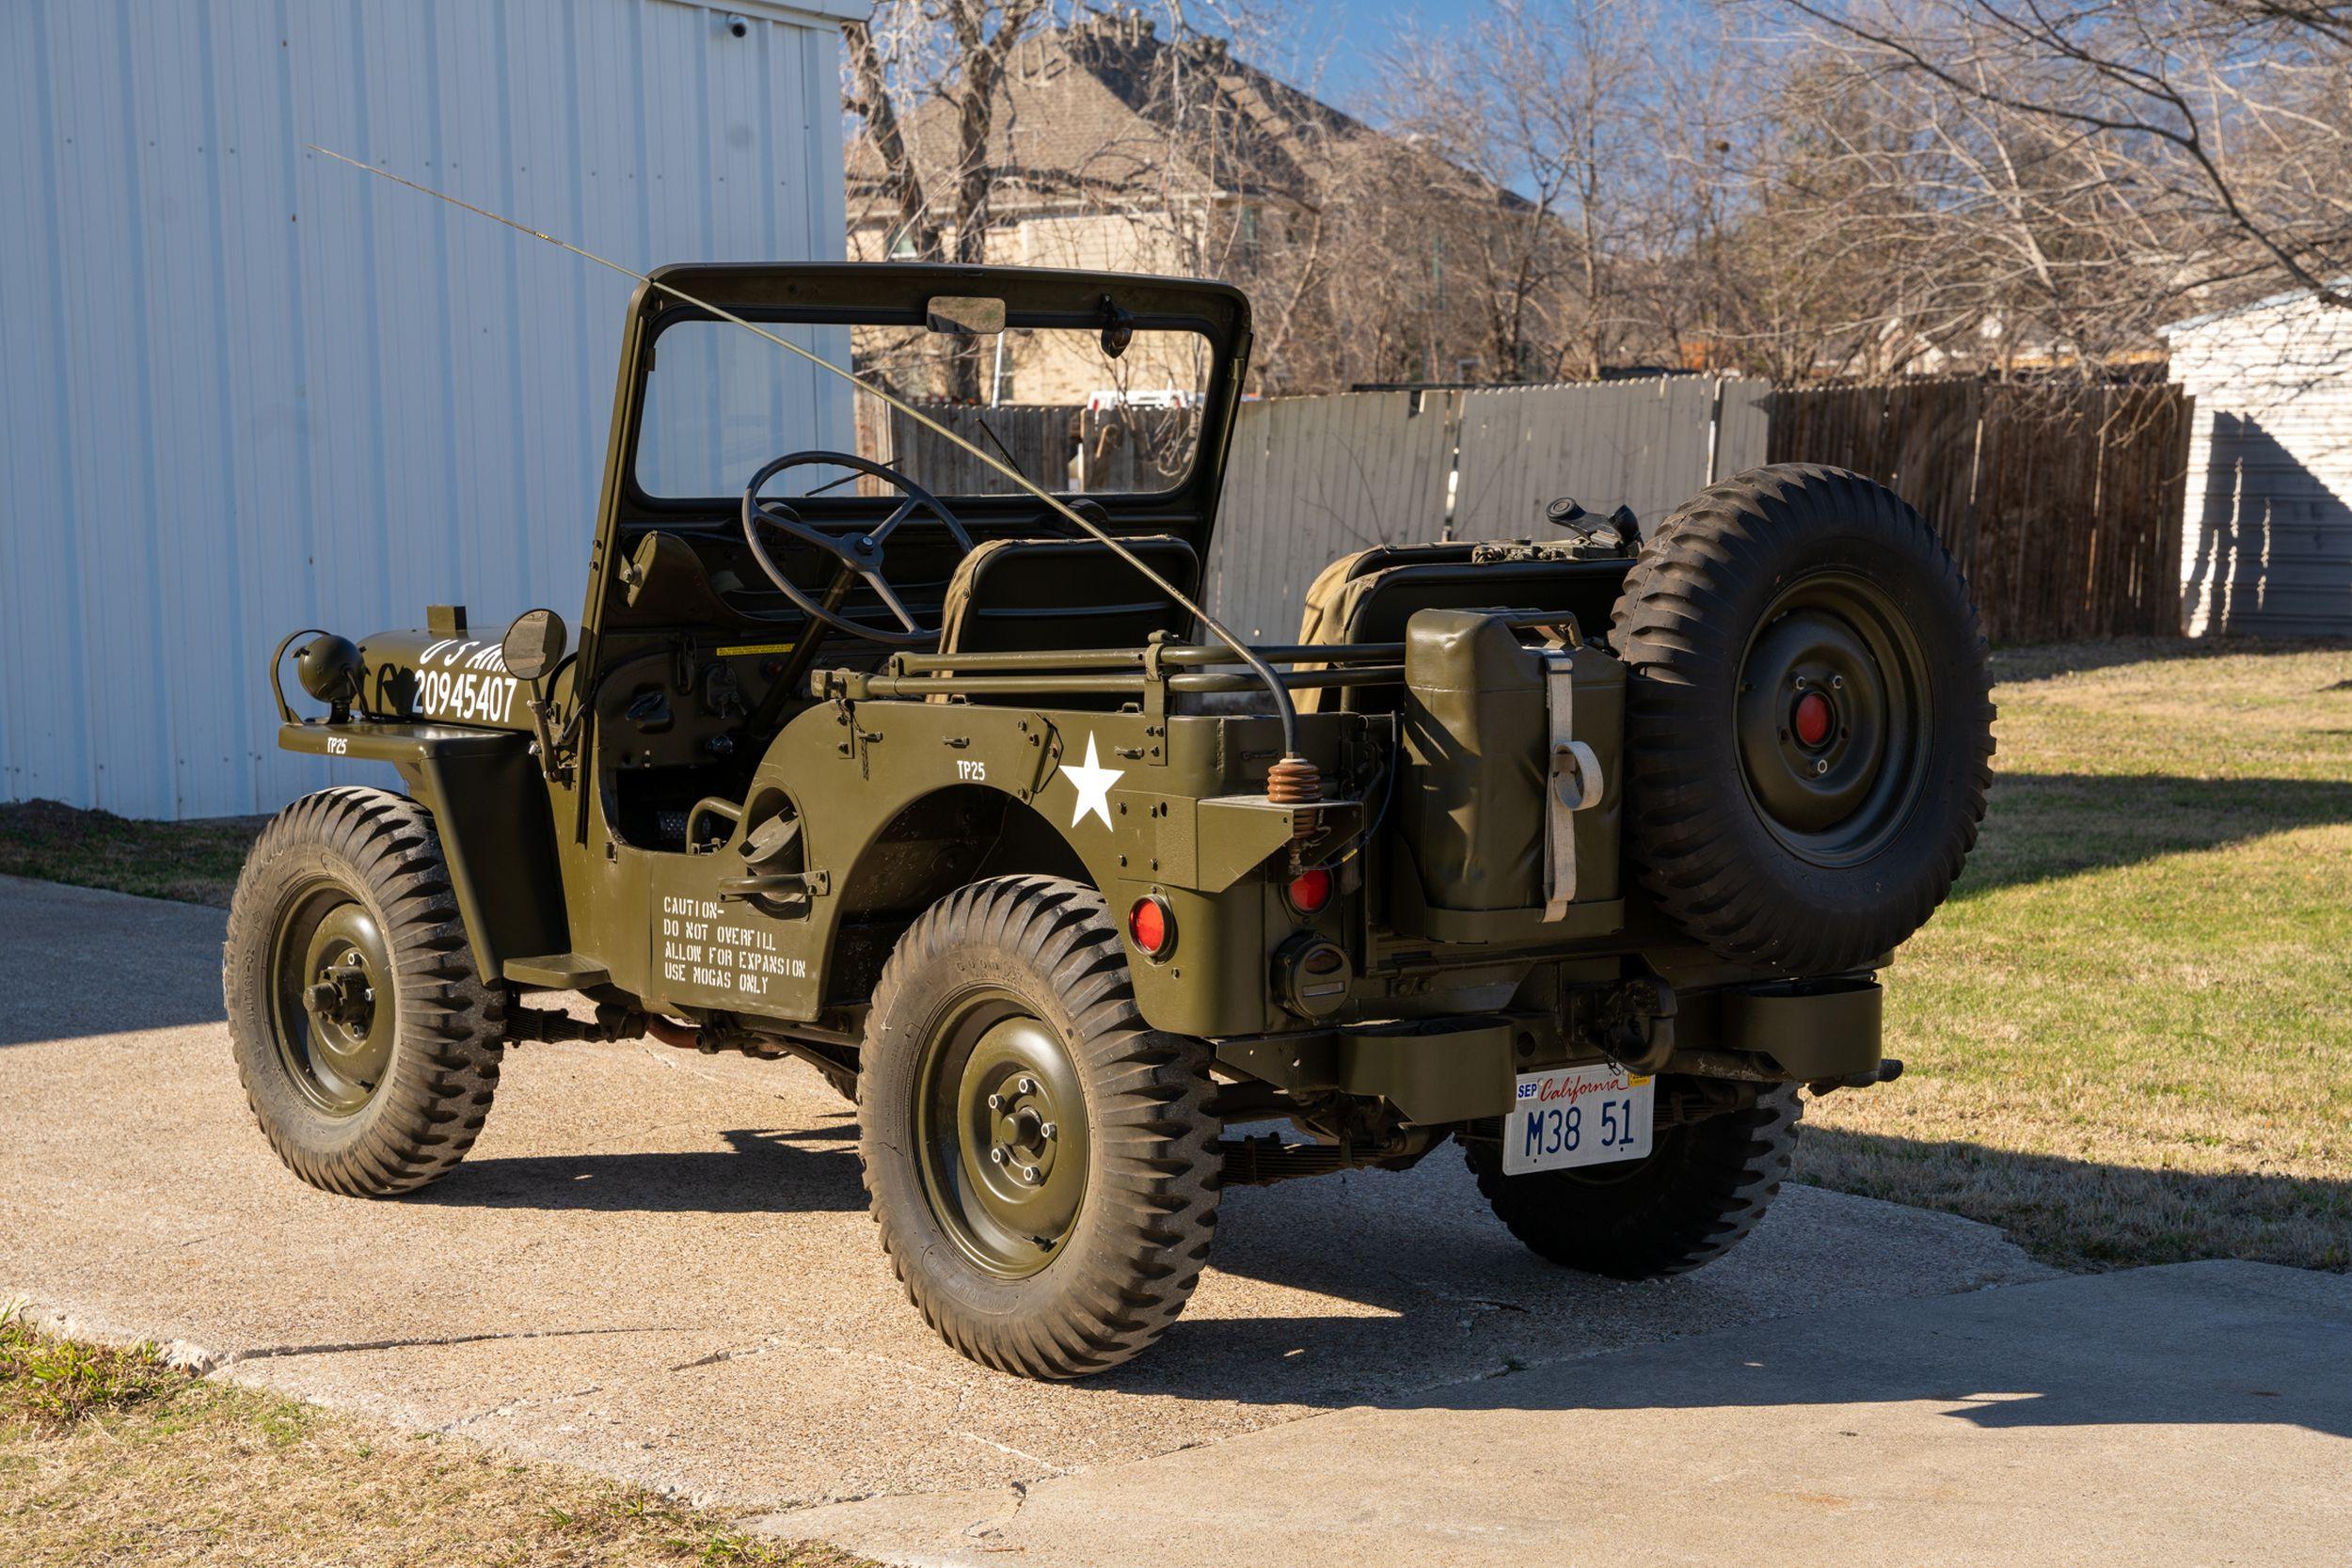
column 1212, row 395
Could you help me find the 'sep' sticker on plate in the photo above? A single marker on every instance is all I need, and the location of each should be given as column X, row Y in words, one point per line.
column 1578, row 1115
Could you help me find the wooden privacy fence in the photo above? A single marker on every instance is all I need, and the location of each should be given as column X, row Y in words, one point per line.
column 2062, row 505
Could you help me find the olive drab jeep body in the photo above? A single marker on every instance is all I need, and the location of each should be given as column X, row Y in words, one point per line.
column 1581, row 850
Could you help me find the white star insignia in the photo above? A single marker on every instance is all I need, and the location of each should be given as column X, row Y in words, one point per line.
column 1093, row 783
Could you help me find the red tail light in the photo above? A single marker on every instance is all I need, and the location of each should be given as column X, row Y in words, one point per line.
column 1309, row 891
column 1152, row 925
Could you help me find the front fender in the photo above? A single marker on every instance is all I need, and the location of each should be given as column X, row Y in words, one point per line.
column 489, row 804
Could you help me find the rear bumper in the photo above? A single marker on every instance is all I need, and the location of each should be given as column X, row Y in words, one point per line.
column 1445, row 1070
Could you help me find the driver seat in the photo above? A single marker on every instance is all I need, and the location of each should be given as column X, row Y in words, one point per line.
column 1034, row 596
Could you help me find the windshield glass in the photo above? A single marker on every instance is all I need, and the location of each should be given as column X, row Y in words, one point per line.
column 720, row 401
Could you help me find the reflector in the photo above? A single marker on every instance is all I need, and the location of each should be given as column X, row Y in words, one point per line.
column 1152, row 927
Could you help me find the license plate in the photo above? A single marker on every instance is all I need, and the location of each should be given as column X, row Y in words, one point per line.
column 1576, row 1115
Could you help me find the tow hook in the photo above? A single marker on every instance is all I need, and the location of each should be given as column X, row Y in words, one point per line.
column 1888, row 1069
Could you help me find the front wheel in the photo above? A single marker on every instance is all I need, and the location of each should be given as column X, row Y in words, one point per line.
column 368, row 1045
column 1041, row 1163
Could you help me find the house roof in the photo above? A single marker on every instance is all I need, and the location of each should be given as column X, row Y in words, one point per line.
column 1106, row 107
column 2249, row 307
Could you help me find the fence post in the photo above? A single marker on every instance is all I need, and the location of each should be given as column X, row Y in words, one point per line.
column 1714, row 432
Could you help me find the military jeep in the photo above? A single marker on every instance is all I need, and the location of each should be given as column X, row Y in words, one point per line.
column 1579, row 849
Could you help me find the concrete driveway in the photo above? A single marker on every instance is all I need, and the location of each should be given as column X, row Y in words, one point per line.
column 657, row 1265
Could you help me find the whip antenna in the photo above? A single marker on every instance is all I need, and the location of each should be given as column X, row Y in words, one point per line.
column 1291, row 779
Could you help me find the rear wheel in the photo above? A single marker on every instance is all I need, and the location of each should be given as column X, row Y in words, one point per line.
column 1696, row 1196
column 1041, row 1163
column 368, row 1045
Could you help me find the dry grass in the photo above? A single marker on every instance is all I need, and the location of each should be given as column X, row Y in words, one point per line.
column 195, row 862
column 2130, row 1033
column 109, row 1457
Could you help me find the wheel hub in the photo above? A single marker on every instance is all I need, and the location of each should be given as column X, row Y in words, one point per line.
column 1027, row 1132
column 1811, row 720
column 1005, row 1138
column 1830, row 719
column 335, row 1021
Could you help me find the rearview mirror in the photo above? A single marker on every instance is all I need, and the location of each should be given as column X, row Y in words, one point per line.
column 965, row 316
column 533, row 644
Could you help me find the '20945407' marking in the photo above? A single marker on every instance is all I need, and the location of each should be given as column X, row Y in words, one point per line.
column 483, row 698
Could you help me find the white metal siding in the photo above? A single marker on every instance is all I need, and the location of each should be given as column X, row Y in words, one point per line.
column 244, row 389
column 2267, row 537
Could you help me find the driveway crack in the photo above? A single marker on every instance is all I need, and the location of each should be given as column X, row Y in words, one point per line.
column 340, row 1347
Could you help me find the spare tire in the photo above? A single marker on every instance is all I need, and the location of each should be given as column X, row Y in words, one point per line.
column 1808, row 719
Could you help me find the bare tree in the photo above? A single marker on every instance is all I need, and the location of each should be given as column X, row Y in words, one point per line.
column 2213, row 132
column 1215, row 168
column 1532, row 115
column 954, row 50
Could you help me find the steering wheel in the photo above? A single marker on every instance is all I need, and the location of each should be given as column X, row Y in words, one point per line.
column 856, row 551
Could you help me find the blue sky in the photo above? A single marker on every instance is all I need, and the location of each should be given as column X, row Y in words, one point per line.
column 1345, row 36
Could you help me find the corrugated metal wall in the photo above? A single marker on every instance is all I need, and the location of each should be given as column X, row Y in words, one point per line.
column 244, row 388
column 1643, row 444
column 2266, row 524
column 1314, row 477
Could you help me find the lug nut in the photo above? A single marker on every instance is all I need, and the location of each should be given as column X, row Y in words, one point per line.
column 1838, row 683
column 1048, row 1130
column 1820, row 768
column 1033, row 1175
column 997, row 1154
column 995, row 1101
column 1026, row 1085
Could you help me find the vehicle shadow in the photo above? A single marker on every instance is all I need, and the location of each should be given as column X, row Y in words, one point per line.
column 2094, row 1215
column 806, row 1170
column 1401, row 1291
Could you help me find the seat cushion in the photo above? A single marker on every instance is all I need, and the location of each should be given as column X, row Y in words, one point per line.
column 1369, row 595
column 1023, row 596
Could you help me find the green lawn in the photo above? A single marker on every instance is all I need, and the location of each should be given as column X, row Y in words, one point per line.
column 2129, row 1033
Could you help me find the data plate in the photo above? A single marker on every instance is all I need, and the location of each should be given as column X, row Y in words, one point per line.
column 1576, row 1115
